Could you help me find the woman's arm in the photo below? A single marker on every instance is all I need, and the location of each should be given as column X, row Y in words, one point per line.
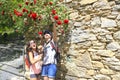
column 32, row 60
column 54, row 29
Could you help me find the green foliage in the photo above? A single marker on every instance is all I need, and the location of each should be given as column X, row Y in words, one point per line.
column 43, row 17
column 6, row 13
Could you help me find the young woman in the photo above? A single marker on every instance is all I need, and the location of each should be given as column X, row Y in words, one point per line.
column 49, row 67
column 35, row 60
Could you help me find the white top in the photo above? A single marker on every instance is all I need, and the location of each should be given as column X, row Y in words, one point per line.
column 49, row 54
column 36, row 67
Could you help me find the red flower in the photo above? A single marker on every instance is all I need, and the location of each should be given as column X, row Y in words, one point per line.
column 66, row 21
column 35, row 1
column 56, row 17
column 17, row 13
column 59, row 22
column 25, row 10
column 40, row 32
column 20, row 5
column 29, row 15
column 26, row 2
column 3, row 12
column 53, row 12
column 50, row 3
column 34, row 16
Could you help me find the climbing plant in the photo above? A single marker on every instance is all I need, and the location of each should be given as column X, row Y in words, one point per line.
column 31, row 17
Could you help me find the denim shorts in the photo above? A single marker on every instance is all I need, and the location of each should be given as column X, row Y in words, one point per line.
column 49, row 70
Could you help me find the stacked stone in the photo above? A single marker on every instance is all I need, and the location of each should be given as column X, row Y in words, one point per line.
column 94, row 41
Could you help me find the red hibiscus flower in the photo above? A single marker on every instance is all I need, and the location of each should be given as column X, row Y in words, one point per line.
column 59, row 22
column 53, row 12
column 25, row 10
column 40, row 32
column 34, row 16
column 56, row 17
column 66, row 21
column 26, row 2
column 29, row 15
column 17, row 13
column 35, row 1
column 50, row 3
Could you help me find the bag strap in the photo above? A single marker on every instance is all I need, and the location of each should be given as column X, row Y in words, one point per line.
column 53, row 46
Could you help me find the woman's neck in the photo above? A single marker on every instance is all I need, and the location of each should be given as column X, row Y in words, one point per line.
column 34, row 50
column 48, row 40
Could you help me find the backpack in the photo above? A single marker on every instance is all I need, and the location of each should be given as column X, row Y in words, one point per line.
column 55, row 47
column 27, row 61
column 26, row 58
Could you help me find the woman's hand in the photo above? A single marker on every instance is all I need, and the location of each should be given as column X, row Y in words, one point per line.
column 40, row 56
column 40, row 36
column 40, row 48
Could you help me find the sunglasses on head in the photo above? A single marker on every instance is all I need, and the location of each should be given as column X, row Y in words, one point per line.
column 32, row 42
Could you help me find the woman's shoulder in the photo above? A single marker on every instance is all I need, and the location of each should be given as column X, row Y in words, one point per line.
column 30, row 52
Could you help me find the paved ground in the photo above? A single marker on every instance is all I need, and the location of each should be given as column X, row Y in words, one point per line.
column 12, row 70
column 11, row 62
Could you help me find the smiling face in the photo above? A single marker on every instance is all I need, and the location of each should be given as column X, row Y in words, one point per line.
column 32, row 44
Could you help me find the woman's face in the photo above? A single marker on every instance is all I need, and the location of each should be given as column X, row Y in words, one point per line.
column 32, row 44
column 47, row 36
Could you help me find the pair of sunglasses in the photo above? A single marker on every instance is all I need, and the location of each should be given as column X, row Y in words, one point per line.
column 31, row 42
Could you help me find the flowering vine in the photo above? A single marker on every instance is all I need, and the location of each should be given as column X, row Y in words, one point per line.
column 33, row 16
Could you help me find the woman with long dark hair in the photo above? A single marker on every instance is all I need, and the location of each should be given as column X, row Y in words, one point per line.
column 35, row 59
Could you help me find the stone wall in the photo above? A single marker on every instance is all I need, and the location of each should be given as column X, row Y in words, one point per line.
column 93, row 48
